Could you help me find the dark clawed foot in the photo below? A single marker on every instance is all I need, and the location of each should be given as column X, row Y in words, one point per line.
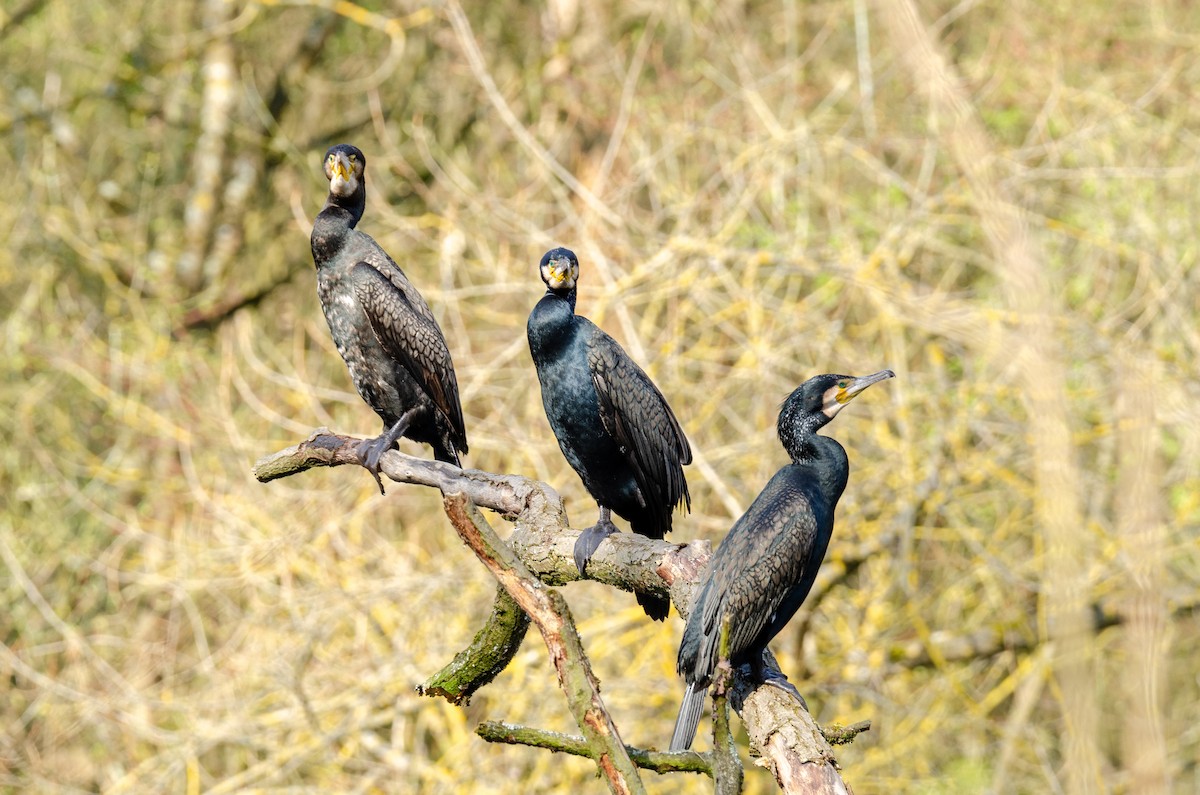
column 589, row 540
column 371, row 450
column 369, row 453
column 777, row 679
column 768, row 674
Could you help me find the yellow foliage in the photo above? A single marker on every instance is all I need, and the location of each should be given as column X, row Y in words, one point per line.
column 756, row 194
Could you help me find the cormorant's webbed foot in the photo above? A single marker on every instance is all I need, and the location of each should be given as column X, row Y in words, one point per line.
column 770, row 675
column 589, row 540
column 369, row 453
column 371, row 450
column 779, row 680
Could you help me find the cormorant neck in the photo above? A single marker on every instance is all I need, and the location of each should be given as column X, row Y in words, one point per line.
column 350, row 208
column 829, row 461
column 552, row 322
column 566, row 295
column 798, row 431
column 335, row 223
column 810, row 448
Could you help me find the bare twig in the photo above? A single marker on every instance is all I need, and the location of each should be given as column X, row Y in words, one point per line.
column 505, row 494
column 647, row 759
column 727, row 767
column 466, row 39
column 658, row 761
column 213, row 315
column 836, row 734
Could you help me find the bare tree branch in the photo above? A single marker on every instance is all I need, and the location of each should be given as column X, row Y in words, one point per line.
column 727, row 767
column 466, row 39
column 549, row 611
column 781, row 730
column 836, row 734
column 647, row 759
column 508, row 495
column 794, row 750
column 658, row 761
column 488, row 655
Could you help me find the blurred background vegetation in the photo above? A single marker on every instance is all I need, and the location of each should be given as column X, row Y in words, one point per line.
column 758, row 191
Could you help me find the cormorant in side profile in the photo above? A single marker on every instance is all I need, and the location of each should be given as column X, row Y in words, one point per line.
column 391, row 342
column 613, row 425
column 763, row 570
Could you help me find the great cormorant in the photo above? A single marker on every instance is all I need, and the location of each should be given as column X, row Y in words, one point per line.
column 764, row 568
column 613, row 425
column 393, row 347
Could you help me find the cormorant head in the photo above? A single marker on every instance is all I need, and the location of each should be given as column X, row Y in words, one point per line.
column 345, row 167
column 816, row 402
column 560, row 270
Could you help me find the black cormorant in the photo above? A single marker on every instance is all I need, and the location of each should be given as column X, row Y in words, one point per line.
column 391, row 342
column 764, row 568
column 613, row 425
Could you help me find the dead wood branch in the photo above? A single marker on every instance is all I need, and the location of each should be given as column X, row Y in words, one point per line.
column 727, row 767
column 488, row 655
column 549, row 611
column 658, row 761
column 782, row 732
column 795, row 751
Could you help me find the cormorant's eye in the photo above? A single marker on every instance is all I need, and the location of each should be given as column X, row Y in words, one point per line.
column 843, row 384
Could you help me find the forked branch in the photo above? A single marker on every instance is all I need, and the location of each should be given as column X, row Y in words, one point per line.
column 781, row 731
column 548, row 610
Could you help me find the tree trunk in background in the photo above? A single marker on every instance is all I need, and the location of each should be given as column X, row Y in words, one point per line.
column 1064, row 606
column 208, row 165
column 1139, row 521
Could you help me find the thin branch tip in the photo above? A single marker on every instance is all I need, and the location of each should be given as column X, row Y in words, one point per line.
column 836, row 734
column 647, row 759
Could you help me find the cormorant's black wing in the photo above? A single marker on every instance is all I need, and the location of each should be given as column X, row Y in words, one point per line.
column 760, row 567
column 638, row 418
column 409, row 333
